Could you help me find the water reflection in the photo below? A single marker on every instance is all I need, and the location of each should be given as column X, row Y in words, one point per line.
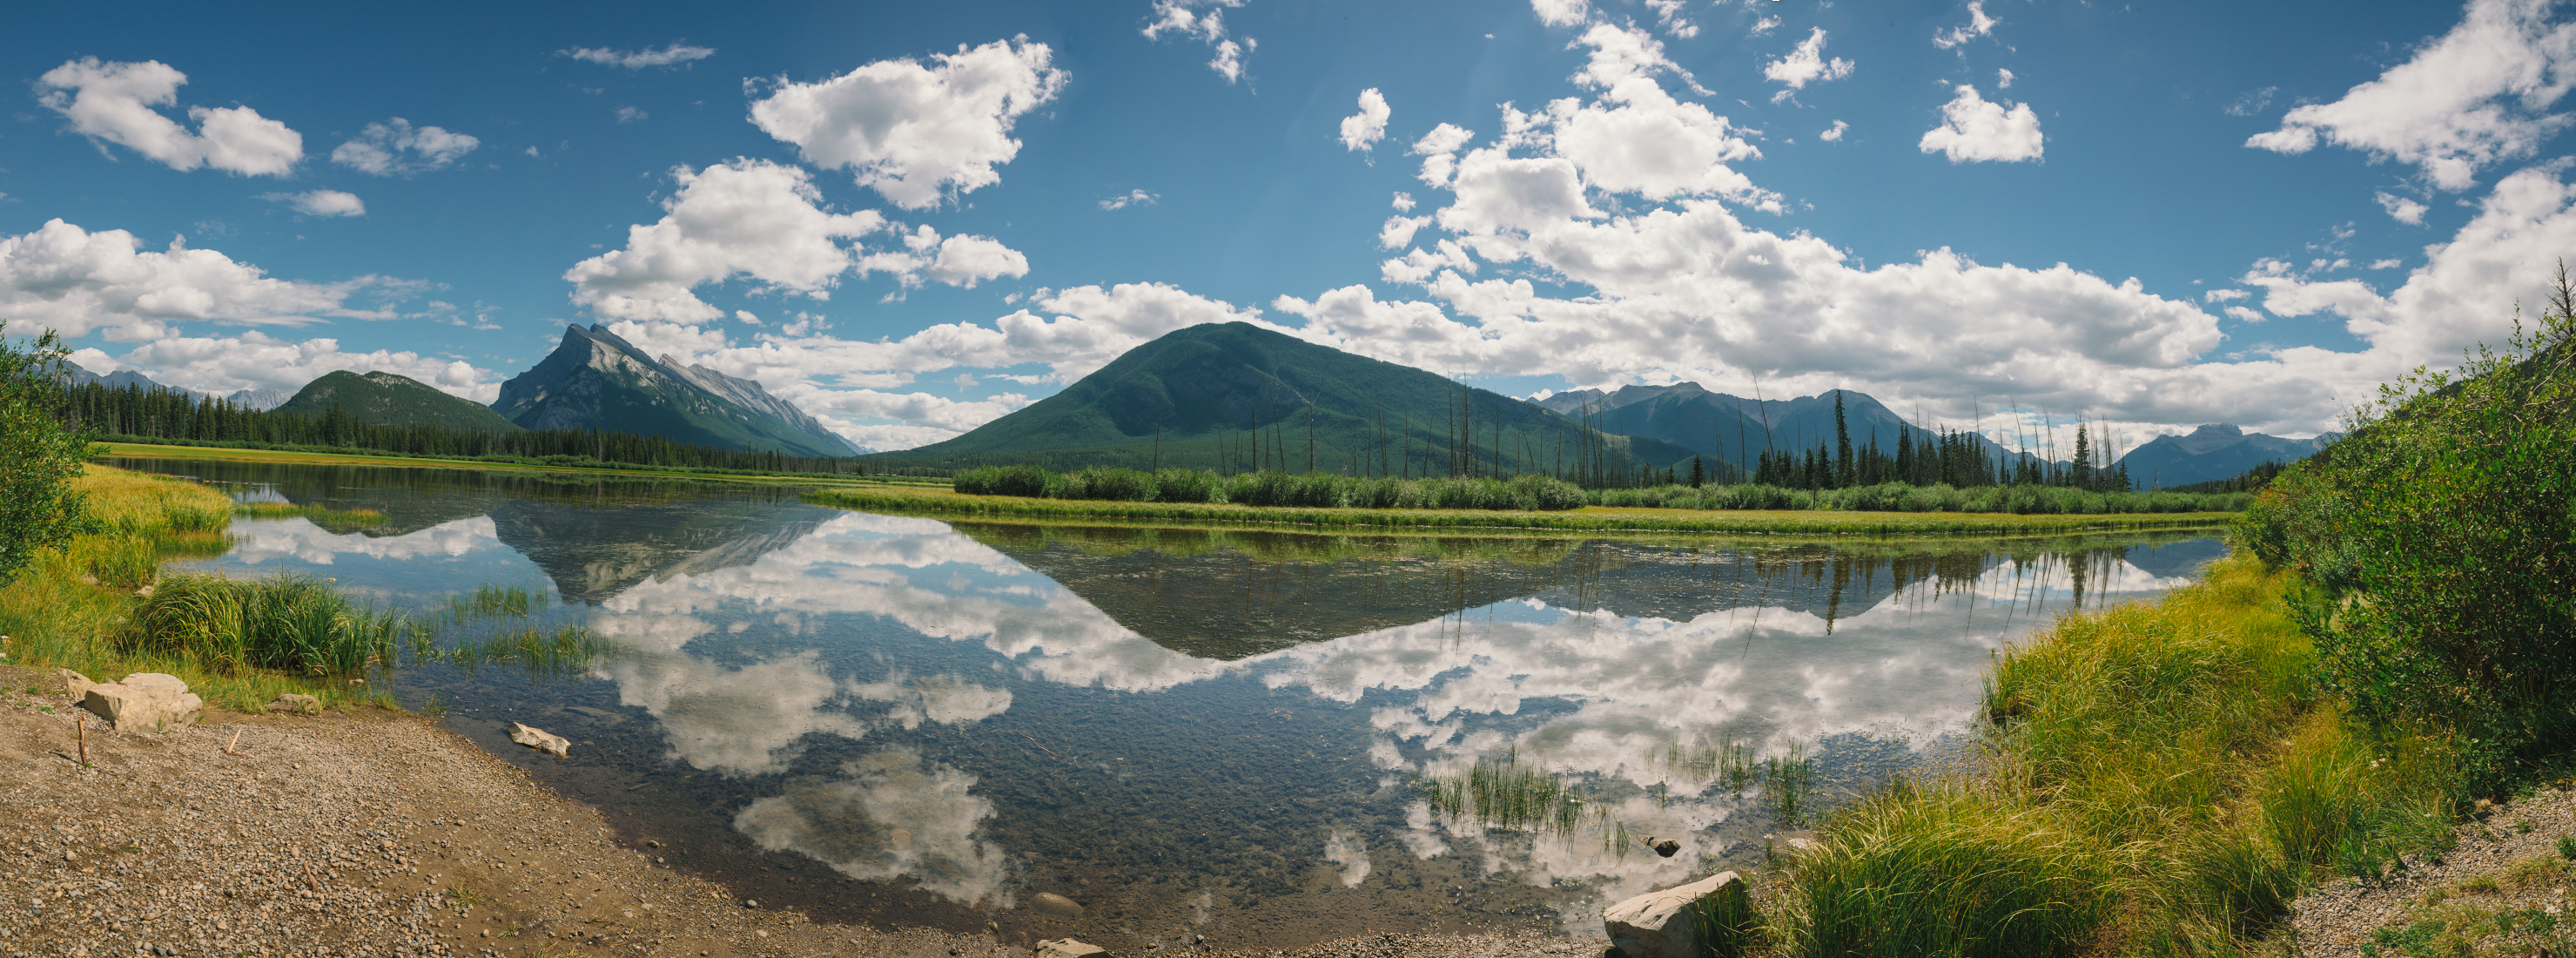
column 1188, row 731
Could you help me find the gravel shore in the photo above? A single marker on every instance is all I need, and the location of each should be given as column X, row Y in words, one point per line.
column 372, row 833
column 2501, row 889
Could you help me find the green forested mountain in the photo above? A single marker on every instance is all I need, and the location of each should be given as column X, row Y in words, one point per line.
column 386, row 399
column 1235, row 396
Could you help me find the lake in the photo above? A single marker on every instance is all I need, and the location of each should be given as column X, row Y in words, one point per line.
column 909, row 721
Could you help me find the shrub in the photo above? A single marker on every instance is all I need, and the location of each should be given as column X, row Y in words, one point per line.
column 40, row 508
column 2437, row 541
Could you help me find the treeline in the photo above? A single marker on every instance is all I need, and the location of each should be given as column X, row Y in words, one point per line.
column 2251, row 480
column 1944, row 457
column 135, row 414
column 1530, row 492
column 1526, row 492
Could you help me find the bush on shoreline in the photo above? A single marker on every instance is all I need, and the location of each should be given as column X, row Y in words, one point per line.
column 2438, row 553
column 1534, row 493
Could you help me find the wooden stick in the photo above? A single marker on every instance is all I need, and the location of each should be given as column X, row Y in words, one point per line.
column 84, row 739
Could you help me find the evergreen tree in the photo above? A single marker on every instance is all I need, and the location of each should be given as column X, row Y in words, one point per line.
column 2082, row 477
column 1844, row 473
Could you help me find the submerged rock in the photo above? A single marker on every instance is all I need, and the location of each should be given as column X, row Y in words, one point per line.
column 541, row 740
column 1069, row 948
column 1659, row 924
column 144, row 700
column 1055, row 904
column 295, row 702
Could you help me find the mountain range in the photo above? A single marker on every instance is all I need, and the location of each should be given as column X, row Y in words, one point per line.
column 1234, row 394
column 1736, row 429
column 120, row 379
column 1228, row 395
column 2214, row 451
column 597, row 380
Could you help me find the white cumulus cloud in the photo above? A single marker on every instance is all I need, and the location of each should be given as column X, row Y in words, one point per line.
column 2478, row 95
column 911, row 131
column 749, row 218
column 255, row 360
column 1804, row 65
column 1835, row 132
column 959, row 261
column 2402, row 209
column 396, row 148
column 1974, row 130
column 1561, row 13
column 676, row 54
column 113, row 103
column 1668, row 18
column 1203, row 20
column 322, row 203
column 1363, row 129
column 1978, row 25
column 63, row 277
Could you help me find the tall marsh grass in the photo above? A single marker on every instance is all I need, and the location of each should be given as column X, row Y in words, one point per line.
column 2157, row 779
column 295, row 624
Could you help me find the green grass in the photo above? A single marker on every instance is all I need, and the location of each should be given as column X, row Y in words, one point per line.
column 1589, row 519
column 241, row 643
column 335, row 520
column 287, row 623
column 2157, row 779
column 75, row 607
column 1504, row 793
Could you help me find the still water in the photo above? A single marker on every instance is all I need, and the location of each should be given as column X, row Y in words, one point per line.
column 909, row 721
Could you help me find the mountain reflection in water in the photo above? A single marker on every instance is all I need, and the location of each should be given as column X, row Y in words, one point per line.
column 1189, row 731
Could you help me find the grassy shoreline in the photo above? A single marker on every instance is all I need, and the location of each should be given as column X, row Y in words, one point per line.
column 1591, row 519
column 2158, row 778
column 75, row 608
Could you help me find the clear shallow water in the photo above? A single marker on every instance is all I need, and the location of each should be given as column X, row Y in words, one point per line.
column 909, row 721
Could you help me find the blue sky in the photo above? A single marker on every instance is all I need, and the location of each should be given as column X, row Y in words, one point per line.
column 2147, row 217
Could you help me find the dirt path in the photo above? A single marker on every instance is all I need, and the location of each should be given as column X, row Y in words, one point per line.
column 376, row 834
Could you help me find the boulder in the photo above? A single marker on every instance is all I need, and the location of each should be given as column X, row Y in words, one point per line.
column 1069, row 948
column 144, row 700
column 1659, row 924
column 1057, row 905
column 75, row 684
column 295, row 702
column 541, row 740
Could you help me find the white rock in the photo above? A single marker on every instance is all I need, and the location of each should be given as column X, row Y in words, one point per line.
column 1069, row 948
column 144, row 700
column 541, row 740
column 1658, row 924
column 1055, row 904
